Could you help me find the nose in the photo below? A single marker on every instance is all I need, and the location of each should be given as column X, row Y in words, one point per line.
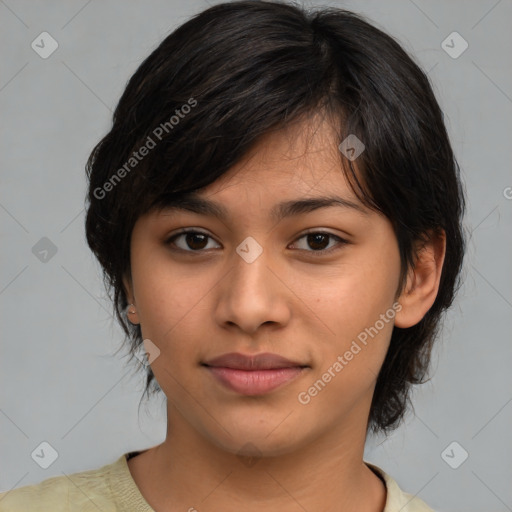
column 252, row 294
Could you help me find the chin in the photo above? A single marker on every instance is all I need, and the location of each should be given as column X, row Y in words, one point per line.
column 258, row 441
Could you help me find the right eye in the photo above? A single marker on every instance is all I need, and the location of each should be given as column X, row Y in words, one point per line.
column 192, row 241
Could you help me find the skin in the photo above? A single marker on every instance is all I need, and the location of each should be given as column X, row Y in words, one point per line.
column 308, row 308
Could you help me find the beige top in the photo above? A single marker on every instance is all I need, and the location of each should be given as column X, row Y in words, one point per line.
column 111, row 488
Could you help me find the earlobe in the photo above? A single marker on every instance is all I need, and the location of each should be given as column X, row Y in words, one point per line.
column 131, row 310
column 422, row 284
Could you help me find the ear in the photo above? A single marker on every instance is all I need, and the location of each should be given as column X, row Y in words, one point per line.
column 422, row 284
column 133, row 317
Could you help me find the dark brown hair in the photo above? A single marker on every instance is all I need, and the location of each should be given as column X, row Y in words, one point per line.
column 239, row 70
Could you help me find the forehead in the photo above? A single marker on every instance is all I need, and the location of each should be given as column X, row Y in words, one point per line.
column 310, row 143
column 301, row 159
column 287, row 172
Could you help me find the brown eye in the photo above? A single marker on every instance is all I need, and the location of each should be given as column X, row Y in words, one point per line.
column 196, row 240
column 319, row 241
column 190, row 241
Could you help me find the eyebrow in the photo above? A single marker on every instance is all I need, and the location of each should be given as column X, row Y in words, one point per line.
column 194, row 203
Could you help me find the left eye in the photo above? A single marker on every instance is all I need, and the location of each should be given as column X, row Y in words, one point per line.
column 319, row 241
column 196, row 241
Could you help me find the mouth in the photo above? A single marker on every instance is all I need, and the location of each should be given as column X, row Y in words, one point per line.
column 253, row 375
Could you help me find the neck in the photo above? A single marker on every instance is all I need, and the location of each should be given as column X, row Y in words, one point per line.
column 188, row 472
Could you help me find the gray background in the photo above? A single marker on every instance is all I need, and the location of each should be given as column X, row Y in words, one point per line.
column 60, row 380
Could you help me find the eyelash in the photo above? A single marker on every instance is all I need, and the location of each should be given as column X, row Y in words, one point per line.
column 321, row 252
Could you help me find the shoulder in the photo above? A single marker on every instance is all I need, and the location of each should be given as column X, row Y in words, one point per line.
column 83, row 491
column 398, row 500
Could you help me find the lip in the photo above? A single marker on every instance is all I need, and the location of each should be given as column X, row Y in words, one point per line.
column 253, row 375
column 264, row 361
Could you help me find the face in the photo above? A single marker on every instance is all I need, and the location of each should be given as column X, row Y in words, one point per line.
column 315, row 285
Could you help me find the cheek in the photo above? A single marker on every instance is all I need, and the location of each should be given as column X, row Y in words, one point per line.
column 356, row 303
column 175, row 312
column 354, row 297
column 349, row 358
column 166, row 295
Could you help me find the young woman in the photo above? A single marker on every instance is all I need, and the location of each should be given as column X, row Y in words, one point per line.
column 277, row 210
